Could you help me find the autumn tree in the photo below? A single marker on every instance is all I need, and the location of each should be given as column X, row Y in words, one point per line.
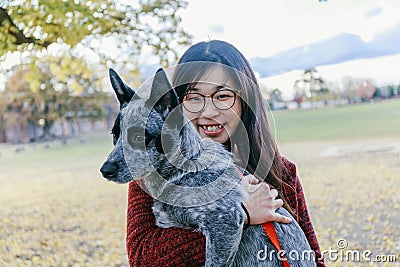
column 100, row 33
column 53, row 88
column 33, row 25
column 14, row 101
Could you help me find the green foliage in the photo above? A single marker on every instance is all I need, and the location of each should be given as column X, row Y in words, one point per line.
column 32, row 25
column 53, row 88
column 64, row 86
column 311, row 86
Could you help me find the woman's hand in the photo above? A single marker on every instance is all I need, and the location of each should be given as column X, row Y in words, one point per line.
column 261, row 202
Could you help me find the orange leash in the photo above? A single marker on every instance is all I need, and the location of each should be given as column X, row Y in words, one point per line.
column 270, row 231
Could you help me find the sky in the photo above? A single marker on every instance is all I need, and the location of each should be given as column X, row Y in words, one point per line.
column 281, row 38
column 358, row 38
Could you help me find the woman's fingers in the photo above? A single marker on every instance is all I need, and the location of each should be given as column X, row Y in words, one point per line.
column 278, row 203
column 261, row 203
column 250, row 179
column 281, row 219
column 274, row 193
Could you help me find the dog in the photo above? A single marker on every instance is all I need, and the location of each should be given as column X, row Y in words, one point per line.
column 193, row 181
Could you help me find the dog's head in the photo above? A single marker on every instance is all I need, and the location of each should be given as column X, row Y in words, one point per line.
column 145, row 132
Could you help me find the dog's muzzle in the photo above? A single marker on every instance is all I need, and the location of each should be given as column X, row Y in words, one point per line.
column 109, row 170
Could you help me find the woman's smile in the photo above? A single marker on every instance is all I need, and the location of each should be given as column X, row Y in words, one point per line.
column 213, row 121
column 212, row 130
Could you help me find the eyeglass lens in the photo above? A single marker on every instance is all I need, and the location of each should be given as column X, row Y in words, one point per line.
column 221, row 99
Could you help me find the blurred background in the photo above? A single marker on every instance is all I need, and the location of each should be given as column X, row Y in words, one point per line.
column 329, row 70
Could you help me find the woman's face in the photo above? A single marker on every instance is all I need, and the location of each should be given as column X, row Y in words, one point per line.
column 212, row 122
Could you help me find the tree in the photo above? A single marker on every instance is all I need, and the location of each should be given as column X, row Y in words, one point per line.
column 350, row 87
column 310, row 86
column 15, row 104
column 32, row 25
column 275, row 100
column 53, row 88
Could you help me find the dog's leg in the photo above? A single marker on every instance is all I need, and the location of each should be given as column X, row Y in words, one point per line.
column 223, row 232
column 294, row 242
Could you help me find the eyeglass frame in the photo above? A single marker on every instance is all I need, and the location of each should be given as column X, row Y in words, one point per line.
column 235, row 92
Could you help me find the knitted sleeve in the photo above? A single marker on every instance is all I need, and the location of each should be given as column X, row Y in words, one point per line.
column 297, row 202
column 150, row 245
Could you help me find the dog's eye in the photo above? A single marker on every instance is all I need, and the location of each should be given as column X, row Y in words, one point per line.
column 138, row 137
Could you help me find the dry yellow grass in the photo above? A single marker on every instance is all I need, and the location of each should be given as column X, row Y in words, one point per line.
column 56, row 210
column 352, row 190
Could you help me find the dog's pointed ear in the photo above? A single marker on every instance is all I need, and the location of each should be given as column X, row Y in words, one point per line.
column 163, row 96
column 123, row 91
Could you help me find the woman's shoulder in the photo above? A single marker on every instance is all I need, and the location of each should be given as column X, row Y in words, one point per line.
column 289, row 171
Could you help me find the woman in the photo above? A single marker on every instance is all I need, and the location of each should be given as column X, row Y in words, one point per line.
column 225, row 104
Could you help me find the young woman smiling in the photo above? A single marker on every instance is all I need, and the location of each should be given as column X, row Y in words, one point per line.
column 221, row 97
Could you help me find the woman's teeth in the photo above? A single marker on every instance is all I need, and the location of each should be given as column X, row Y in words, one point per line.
column 212, row 128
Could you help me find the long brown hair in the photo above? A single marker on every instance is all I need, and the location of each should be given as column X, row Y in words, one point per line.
column 260, row 155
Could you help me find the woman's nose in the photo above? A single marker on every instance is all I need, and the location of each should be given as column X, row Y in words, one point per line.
column 209, row 109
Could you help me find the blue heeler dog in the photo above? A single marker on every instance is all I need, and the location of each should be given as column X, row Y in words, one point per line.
column 194, row 182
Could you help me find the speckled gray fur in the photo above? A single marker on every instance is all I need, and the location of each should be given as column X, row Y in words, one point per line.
column 193, row 181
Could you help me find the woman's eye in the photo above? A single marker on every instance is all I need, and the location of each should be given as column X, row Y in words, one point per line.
column 192, row 98
column 224, row 95
column 220, row 97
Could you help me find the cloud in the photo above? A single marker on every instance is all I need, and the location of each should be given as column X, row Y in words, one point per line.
column 373, row 12
column 340, row 48
column 217, row 28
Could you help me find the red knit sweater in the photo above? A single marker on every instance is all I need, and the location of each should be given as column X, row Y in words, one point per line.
column 150, row 245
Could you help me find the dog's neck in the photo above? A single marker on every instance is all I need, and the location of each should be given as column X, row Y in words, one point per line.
column 191, row 144
column 194, row 156
column 195, row 153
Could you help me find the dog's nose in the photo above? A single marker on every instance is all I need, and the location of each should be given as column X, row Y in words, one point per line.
column 109, row 170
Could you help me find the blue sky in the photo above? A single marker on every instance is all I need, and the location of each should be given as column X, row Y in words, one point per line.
column 358, row 38
column 280, row 37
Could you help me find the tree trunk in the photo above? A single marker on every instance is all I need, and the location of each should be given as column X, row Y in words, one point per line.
column 78, row 123
column 63, row 126
column 3, row 137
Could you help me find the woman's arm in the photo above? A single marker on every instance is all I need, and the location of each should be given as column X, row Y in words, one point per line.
column 296, row 200
column 306, row 225
column 150, row 245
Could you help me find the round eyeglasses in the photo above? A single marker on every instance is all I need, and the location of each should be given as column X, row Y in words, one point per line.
column 222, row 99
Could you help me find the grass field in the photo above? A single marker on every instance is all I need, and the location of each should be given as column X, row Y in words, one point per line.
column 346, row 122
column 56, row 210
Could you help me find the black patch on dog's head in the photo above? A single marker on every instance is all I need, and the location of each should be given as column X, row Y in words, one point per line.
column 116, row 129
column 164, row 99
column 122, row 90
